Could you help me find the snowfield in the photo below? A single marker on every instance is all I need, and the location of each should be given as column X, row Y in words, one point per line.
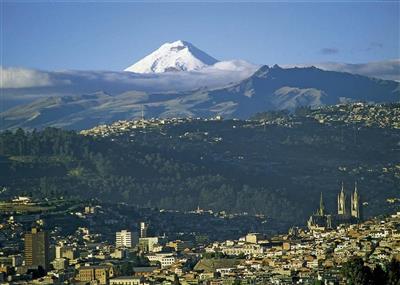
column 175, row 56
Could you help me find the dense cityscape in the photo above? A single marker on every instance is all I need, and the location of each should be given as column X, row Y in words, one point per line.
column 33, row 253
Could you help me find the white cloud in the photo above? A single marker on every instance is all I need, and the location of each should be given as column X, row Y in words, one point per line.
column 115, row 82
column 388, row 69
column 217, row 75
column 21, row 81
column 14, row 77
column 22, row 85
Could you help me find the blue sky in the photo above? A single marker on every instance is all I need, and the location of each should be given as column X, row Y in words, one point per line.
column 111, row 36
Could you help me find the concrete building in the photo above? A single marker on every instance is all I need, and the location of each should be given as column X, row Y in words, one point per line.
column 127, row 280
column 68, row 252
column 148, row 244
column 165, row 259
column 253, row 237
column 16, row 260
column 123, row 239
column 60, row 263
column 37, row 248
column 179, row 245
column 120, row 253
column 100, row 274
column 143, row 229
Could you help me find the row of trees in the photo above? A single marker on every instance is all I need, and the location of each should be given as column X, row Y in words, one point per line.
column 357, row 273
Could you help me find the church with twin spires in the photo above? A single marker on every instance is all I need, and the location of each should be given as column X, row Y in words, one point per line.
column 347, row 213
column 354, row 203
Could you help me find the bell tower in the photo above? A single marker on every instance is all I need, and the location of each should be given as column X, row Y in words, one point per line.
column 342, row 202
column 321, row 211
column 355, row 203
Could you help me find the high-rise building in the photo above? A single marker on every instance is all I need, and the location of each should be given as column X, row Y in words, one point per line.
column 355, row 203
column 143, row 229
column 342, row 202
column 37, row 248
column 59, row 249
column 123, row 239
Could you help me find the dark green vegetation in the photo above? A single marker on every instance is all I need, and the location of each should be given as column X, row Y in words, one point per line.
column 236, row 166
column 356, row 273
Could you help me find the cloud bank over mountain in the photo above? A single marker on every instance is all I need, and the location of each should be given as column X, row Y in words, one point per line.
column 18, row 80
column 386, row 69
column 13, row 77
column 220, row 74
column 23, row 85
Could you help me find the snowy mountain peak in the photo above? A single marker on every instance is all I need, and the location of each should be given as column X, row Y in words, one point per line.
column 176, row 56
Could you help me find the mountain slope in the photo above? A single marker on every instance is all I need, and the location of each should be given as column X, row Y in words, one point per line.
column 176, row 56
column 270, row 88
column 275, row 88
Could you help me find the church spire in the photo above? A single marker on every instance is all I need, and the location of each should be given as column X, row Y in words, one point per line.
column 355, row 203
column 321, row 206
column 342, row 202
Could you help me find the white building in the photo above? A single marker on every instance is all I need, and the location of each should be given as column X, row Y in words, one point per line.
column 165, row 259
column 143, row 229
column 127, row 280
column 123, row 239
column 246, row 249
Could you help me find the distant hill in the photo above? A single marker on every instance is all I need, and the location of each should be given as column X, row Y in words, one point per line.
column 277, row 166
column 276, row 88
column 270, row 88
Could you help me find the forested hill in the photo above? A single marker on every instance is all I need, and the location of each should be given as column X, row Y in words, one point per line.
column 277, row 169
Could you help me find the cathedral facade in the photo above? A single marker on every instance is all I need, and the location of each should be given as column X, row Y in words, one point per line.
column 346, row 212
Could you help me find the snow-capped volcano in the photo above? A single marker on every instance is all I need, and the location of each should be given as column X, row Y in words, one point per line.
column 176, row 56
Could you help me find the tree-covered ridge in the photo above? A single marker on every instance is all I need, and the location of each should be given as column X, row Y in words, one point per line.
column 236, row 166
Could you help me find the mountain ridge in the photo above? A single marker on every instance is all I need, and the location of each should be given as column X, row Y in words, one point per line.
column 269, row 88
